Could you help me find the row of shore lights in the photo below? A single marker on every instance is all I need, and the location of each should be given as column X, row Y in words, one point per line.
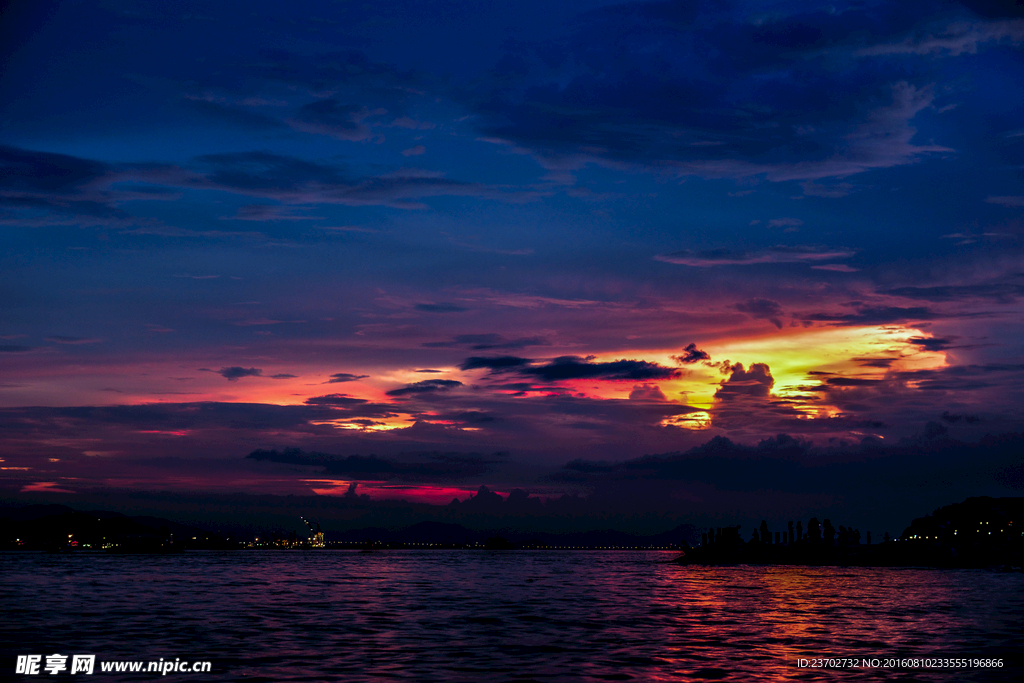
column 956, row 531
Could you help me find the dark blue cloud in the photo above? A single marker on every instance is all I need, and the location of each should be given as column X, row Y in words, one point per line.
column 347, row 407
column 427, row 386
column 335, row 400
column 235, row 373
column 41, row 187
column 482, row 342
column 995, row 9
column 267, row 172
column 440, row 308
column 495, row 364
column 852, row 382
column 725, row 90
column 73, row 341
column 931, row 343
column 235, row 116
column 875, row 315
column 339, row 377
column 786, row 464
column 569, row 368
column 30, row 172
column 575, row 367
column 330, row 117
column 468, row 417
column 691, row 354
column 999, row 292
column 762, row 309
column 293, row 180
column 775, row 254
column 14, row 348
column 351, row 71
column 428, row 466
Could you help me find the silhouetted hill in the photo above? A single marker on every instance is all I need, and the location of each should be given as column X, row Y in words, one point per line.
column 57, row 527
column 28, row 513
column 979, row 532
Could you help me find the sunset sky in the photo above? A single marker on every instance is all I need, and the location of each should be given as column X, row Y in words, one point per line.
column 487, row 239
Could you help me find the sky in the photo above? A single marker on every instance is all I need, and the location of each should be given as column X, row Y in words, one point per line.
column 522, row 245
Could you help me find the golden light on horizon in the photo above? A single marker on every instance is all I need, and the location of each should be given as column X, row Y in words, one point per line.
column 697, row 421
column 383, row 424
column 792, row 357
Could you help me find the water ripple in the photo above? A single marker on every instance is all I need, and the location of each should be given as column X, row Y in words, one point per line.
column 503, row 616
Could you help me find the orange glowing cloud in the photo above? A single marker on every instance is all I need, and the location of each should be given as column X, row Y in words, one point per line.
column 798, row 359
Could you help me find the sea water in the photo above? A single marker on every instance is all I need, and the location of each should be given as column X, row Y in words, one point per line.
column 506, row 616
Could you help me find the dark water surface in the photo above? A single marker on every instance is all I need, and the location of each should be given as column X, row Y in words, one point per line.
column 501, row 616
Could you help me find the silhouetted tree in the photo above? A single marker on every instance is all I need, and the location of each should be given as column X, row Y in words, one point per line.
column 828, row 533
column 814, row 531
column 731, row 535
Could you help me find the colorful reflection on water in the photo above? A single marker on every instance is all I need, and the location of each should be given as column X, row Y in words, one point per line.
column 503, row 616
